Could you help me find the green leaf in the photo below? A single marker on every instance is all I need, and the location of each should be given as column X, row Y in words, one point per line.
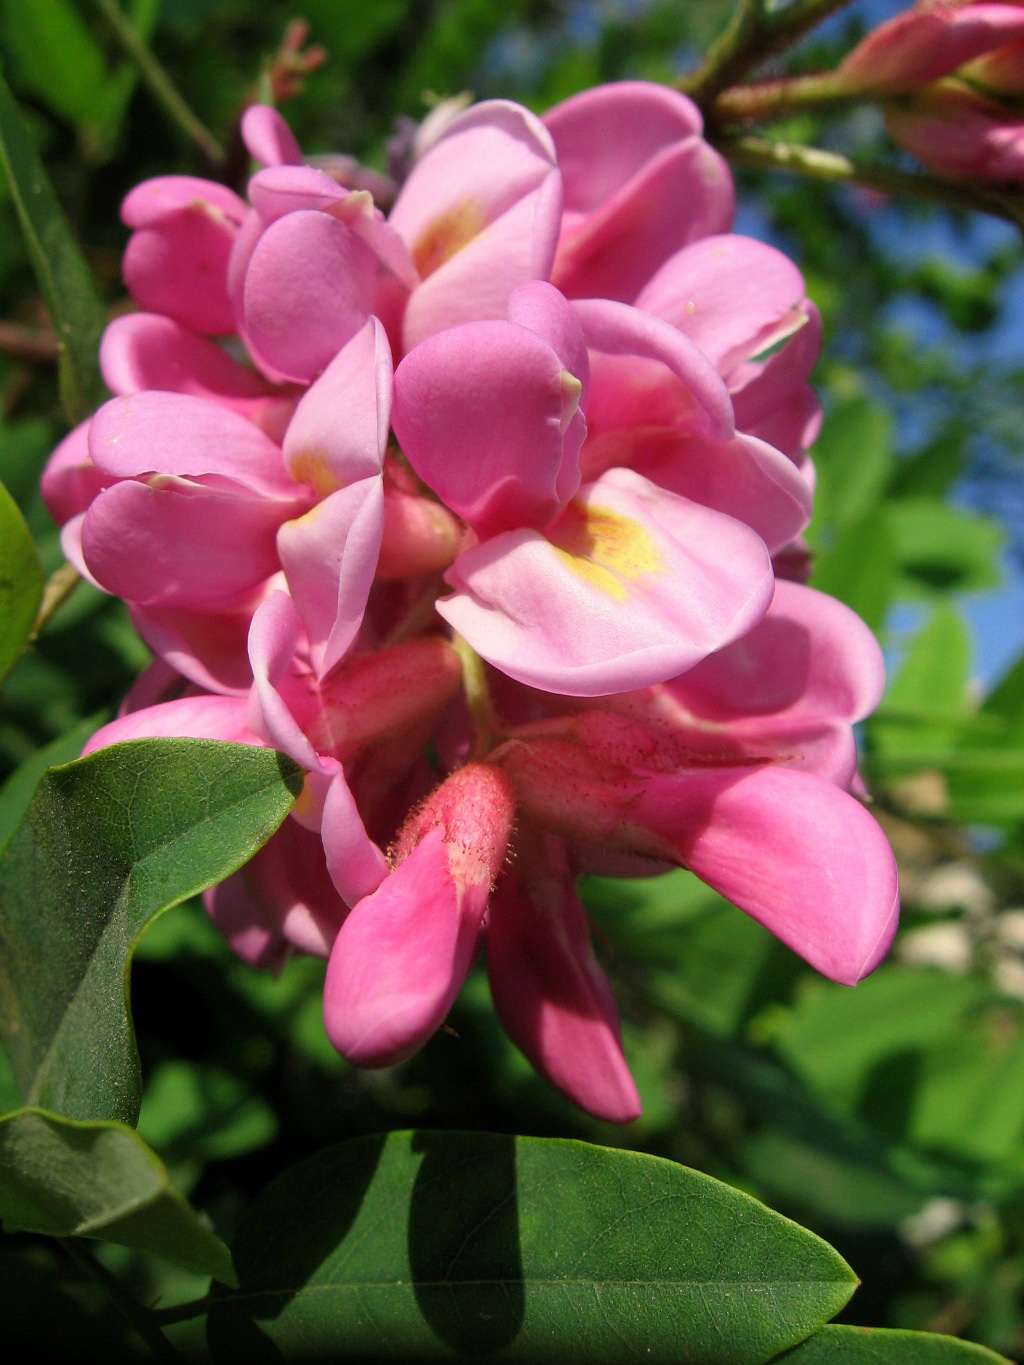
column 852, row 457
column 926, row 703
column 54, row 56
column 21, row 582
column 68, row 1179
column 108, row 843
column 62, row 274
column 939, row 547
column 859, row 566
column 414, row 1245
column 870, row 1346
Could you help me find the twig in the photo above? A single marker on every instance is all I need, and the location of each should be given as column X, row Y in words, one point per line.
column 138, row 1317
column 818, row 164
column 37, row 345
column 754, row 33
column 160, row 85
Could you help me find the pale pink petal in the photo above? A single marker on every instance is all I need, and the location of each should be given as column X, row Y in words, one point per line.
column 309, row 287
column 70, row 480
column 634, row 586
column 323, row 449
column 267, row 137
column 173, row 543
column 553, row 998
column 177, row 434
column 329, row 556
column 243, row 923
column 355, row 864
column 732, row 295
column 207, row 647
column 273, row 641
column 186, row 718
column 643, row 372
column 479, row 415
column 179, row 266
column 744, row 478
column 154, row 199
column 478, row 279
column 639, row 183
column 141, row 351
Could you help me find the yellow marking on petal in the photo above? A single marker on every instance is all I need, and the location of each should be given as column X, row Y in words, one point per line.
column 311, row 467
column 448, row 234
column 571, row 389
column 605, row 548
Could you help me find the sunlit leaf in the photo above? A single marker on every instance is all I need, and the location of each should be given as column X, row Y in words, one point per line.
column 108, row 843
column 869, row 1346
column 415, row 1245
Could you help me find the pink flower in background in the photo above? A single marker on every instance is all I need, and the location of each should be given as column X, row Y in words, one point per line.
column 472, row 511
column 953, row 74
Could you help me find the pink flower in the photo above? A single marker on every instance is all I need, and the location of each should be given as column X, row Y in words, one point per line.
column 492, row 565
column 957, row 68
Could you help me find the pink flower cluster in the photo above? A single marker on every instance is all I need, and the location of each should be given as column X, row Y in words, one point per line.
column 487, row 513
column 953, row 72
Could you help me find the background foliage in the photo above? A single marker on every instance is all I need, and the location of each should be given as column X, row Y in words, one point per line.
column 890, row 1119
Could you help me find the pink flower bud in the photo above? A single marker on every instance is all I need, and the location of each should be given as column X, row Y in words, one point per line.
column 404, row 951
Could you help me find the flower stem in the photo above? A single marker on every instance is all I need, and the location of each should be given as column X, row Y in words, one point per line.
column 818, row 164
column 753, row 34
column 773, row 99
column 478, row 697
column 159, row 83
column 138, row 1317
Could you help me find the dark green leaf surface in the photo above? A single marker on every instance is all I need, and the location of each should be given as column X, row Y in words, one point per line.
column 21, row 582
column 60, row 269
column 68, row 1179
column 868, row 1346
column 416, row 1246
column 107, row 843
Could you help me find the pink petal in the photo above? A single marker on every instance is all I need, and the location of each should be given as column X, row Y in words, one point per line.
column 927, row 43
column 552, row 996
column 309, row 288
column 400, row 959
column 795, row 852
column 267, row 137
column 731, row 295
column 70, row 480
column 186, row 718
column 639, row 183
column 154, row 199
column 273, row 642
column 744, row 478
column 326, row 453
column 172, row 543
column 355, row 864
column 645, row 373
column 633, row 586
column 176, row 434
column 478, row 279
column 143, row 351
column 179, row 266
column 479, row 415
column 207, row 647
column 329, row 556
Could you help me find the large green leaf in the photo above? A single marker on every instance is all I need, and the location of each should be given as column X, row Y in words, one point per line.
column 69, row 1179
column 853, row 459
column 413, row 1246
column 109, row 842
column 868, row 1346
column 61, row 271
column 21, row 582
